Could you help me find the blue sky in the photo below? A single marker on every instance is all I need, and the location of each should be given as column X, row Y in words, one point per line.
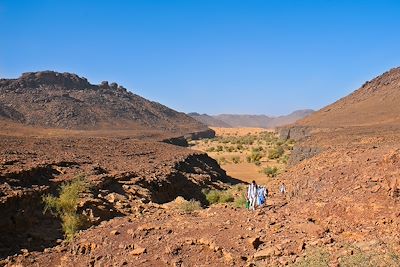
column 208, row 56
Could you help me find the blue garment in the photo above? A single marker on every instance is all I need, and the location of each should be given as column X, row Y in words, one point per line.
column 261, row 196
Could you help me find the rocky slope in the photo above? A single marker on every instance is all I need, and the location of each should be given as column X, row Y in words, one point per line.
column 253, row 121
column 64, row 100
column 122, row 172
column 375, row 103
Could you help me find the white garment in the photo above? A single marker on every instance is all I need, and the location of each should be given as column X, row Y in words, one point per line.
column 283, row 189
column 252, row 196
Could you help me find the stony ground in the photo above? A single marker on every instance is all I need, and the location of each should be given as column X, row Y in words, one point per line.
column 119, row 171
column 341, row 209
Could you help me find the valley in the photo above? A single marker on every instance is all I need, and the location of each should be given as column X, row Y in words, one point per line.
column 248, row 153
column 152, row 203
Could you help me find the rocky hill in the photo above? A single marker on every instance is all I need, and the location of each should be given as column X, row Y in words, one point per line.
column 254, row 121
column 375, row 103
column 64, row 100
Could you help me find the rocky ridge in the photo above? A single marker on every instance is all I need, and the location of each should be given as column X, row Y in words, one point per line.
column 64, row 100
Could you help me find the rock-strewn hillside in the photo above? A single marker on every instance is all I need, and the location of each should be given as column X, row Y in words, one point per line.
column 64, row 100
column 375, row 103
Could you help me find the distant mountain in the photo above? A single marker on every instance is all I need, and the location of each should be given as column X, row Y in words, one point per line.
column 258, row 121
column 209, row 120
column 64, row 100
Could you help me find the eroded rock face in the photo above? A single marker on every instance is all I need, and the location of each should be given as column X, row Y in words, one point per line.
column 300, row 153
column 296, row 133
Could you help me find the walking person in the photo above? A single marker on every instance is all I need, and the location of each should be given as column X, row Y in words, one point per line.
column 252, row 195
column 261, row 195
column 282, row 188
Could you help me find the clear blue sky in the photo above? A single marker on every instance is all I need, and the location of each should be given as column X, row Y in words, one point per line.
column 212, row 56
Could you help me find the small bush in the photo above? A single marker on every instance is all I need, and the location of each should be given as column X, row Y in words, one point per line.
column 285, row 159
column 212, row 196
column 239, row 147
column 210, row 149
column 222, row 161
column 230, row 149
column 248, row 159
column 271, row 171
column 236, row 159
column 218, row 196
column 257, row 149
column 254, row 157
column 65, row 206
column 72, row 223
column 240, row 202
column 239, row 187
column 226, row 197
column 190, row 206
column 276, row 153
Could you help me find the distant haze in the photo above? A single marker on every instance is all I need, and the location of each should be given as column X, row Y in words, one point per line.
column 258, row 121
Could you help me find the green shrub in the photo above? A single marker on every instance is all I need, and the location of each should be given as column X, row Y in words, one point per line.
column 65, row 206
column 257, row 149
column 285, row 159
column 219, row 148
column 226, row 197
column 239, row 187
column 239, row 147
column 255, row 156
column 236, row 159
column 72, row 223
column 212, row 196
column 271, row 171
column 240, row 202
column 248, row 159
column 210, row 149
column 218, row 196
column 276, row 153
column 230, row 149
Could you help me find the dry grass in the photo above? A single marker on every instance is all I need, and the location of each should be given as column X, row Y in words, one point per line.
column 184, row 205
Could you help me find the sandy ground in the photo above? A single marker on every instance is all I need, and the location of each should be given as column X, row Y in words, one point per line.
column 242, row 170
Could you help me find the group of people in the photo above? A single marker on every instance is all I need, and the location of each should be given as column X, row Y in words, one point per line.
column 257, row 195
